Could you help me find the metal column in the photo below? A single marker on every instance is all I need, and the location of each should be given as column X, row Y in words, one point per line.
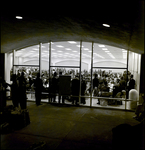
column 40, row 46
column 49, row 67
column 80, row 70
column 91, row 75
column 14, row 61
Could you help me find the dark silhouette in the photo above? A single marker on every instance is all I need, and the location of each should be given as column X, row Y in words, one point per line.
column 38, row 84
column 53, row 87
column 14, row 91
column 22, row 91
column 131, row 83
column 3, row 86
column 122, row 84
column 83, row 89
column 75, row 89
column 60, row 96
column 95, row 81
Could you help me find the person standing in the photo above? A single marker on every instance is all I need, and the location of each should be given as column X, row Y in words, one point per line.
column 83, row 89
column 22, row 91
column 131, row 83
column 14, row 91
column 38, row 84
column 54, row 85
column 59, row 86
column 75, row 89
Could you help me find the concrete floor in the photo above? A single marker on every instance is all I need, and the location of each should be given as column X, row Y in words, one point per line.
column 67, row 127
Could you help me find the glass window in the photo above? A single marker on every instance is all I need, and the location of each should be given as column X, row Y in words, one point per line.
column 86, row 73
column 108, row 56
column 65, row 53
column 27, row 56
column 108, row 84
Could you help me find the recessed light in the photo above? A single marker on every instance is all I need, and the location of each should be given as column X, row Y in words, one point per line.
column 59, row 46
column 35, row 49
column 19, row 17
column 101, row 45
column 86, row 49
column 79, row 45
column 67, row 48
column 72, row 42
column 107, row 51
column 106, row 25
column 104, row 49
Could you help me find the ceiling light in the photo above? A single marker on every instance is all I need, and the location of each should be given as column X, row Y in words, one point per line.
column 89, row 51
column 52, row 49
column 72, row 42
column 104, row 49
column 106, row 25
column 74, row 51
column 79, row 45
column 101, row 45
column 107, row 51
column 86, row 49
column 35, row 48
column 19, row 17
column 124, row 51
column 59, row 51
column 59, row 46
column 67, row 48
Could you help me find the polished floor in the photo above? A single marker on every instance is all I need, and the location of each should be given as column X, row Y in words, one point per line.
column 67, row 127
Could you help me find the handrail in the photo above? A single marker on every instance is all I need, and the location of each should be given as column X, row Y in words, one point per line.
column 107, row 98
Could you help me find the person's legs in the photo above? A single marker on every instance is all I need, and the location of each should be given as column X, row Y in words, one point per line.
column 59, row 98
column 63, row 98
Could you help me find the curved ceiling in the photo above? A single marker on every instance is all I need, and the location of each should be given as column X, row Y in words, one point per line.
column 48, row 22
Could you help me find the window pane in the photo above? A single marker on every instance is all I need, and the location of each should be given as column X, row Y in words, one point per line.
column 27, row 56
column 110, row 83
column 86, row 72
column 68, row 74
column 108, row 56
column 65, row 54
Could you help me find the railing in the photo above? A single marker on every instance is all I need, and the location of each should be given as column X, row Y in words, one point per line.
column 105, row 98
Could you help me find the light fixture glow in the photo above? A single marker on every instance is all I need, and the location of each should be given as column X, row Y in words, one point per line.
column 79, row 45
column 19, row 17
column 59, row 46
column 75, row 51
column 101, row 45
column 72, row 42
column 59, row 51
column 104, row 49
column 106, row 25
column 67, row 48
column 107, row 51
column 86, row 49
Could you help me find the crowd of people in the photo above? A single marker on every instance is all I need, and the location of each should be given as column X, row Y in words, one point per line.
column 104, row 84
